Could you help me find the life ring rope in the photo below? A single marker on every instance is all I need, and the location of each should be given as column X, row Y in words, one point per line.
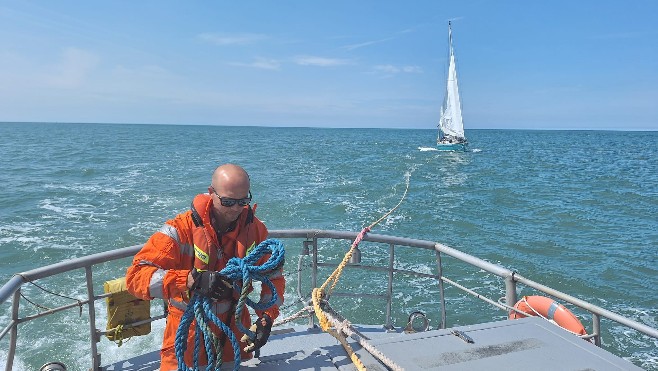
column 549, row 310
column 536, row 313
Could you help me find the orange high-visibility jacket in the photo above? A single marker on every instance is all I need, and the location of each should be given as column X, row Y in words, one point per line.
column 161, row 267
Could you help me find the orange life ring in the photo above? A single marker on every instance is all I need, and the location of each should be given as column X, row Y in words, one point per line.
column 550, row 309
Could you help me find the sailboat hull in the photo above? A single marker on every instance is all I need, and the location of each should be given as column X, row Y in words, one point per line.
column 460, row 147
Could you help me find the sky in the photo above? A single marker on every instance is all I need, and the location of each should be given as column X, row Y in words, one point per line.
column 368, row 64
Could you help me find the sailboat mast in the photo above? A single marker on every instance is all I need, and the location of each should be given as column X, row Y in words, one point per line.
column 450, row 38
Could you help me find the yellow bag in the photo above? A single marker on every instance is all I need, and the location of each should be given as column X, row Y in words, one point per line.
column 123, row 309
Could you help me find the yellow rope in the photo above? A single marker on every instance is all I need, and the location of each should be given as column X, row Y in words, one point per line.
column 339, row 270
column 118, row 330
column 319, row 293
column 357, row 362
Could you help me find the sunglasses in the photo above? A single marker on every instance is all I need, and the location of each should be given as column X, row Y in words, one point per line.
column 228, row 202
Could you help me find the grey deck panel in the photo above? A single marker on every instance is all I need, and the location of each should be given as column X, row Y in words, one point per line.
column 530, row 343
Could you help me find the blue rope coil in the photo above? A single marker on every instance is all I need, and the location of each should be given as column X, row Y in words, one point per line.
column 199, row 308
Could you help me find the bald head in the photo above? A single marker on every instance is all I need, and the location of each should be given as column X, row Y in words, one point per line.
column 231, row 181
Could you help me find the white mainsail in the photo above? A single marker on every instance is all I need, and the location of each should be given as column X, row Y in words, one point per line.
column 451, row 112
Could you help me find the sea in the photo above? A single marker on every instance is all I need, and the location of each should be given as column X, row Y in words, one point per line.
column 574, row 210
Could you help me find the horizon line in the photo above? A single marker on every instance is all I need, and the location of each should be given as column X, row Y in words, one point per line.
column 318, row 127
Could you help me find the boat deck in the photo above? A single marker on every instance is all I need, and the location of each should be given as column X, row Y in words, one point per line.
column 530, row 343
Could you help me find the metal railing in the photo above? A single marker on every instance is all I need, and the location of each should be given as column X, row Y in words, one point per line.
column 310, row 240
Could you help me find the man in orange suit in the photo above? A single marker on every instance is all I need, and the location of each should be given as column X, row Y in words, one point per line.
column 185, row 256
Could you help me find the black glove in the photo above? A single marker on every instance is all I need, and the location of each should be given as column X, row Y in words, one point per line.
column 212, row 284
column 262, row 333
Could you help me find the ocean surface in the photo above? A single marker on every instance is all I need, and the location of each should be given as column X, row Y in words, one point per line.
column 574, row 210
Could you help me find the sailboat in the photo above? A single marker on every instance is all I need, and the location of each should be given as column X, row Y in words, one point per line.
column 451, row 125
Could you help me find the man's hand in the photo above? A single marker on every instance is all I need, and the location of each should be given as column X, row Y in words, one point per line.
column 211, row 284
column 262, row 327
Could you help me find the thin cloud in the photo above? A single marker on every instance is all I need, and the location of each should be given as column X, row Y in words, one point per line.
column 386, row 68
column 412, row 69
column 266, row 64
column 305, row 60
column 231, row 39
column 373, row 42
column 391, row 69
column 364, row 44
column 260, row 63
